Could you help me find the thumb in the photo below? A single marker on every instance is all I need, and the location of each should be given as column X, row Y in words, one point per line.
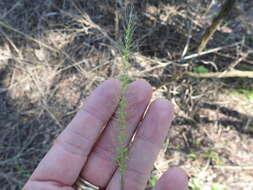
column 172, row 179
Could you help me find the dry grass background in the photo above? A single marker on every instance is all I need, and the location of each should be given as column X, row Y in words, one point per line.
column 53, row 53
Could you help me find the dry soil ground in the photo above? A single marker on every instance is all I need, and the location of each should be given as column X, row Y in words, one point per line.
column 53, row 53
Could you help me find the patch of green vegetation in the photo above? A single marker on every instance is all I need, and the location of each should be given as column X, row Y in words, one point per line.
column 226, row 24
column 200, row 69
column 153, row 180
column 250, row 128
column 218, row 186
column 178, row 146
column 210, row 154
column 213, row 155
column 21, row 171
column 195, row 184
column 246, row 93
column 192, row 155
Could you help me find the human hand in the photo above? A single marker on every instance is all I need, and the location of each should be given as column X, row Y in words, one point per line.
column 88, row 147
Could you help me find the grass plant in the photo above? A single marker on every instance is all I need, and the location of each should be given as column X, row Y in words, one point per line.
column 126, row 48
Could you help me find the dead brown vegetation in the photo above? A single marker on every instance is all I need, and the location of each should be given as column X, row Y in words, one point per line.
column 53, row 53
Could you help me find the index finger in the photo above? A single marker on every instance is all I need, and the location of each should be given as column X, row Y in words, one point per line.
column 64, row 161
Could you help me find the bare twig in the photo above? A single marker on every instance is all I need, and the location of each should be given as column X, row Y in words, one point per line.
column 34, row 77
column 226, row 74
column 28, row 37
column 37, row 41
column 195, row 55
column 235, row 167
column 188, row 40
column 10, row 41
column 225, row 10
column 234, row 57
column 11, row 9
column 190, row 33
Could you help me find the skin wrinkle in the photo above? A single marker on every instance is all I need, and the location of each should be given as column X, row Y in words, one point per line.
column 137, row 182
column 85, row 138
column 157, row 120
column 111, row 96
column 137, row 163
column 134, row 98
column 104, row 153
column 75, row 148
column 77, row 126
column 72, row 148
column 92, row 115
column 137, row 175
column 53, row 177
column 148, row 141
column 103, row 166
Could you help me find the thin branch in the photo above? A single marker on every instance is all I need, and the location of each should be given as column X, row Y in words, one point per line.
column 224, row 12
column 226, row 74
column 195, row 55
column 235, row 167
column 210, row 51
column 36, row 41
column 11, row 9
column 28, row 37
